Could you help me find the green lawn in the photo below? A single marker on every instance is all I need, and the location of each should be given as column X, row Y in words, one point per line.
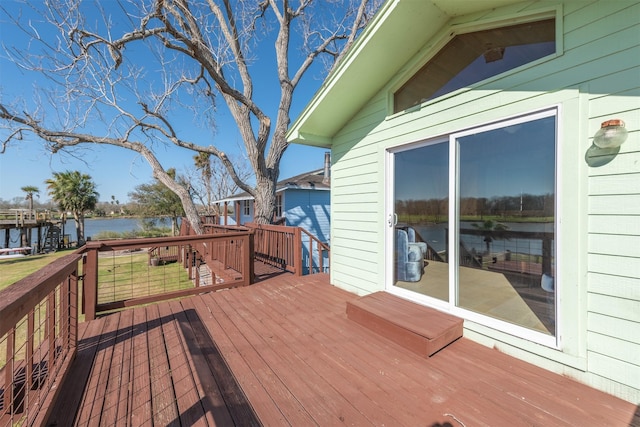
column 127, row 276
column 11, row 271
column 14, row 269
column 120, row 277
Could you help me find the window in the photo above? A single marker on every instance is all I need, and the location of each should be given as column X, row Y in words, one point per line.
column 473, row 57
column 278, row 206
column 488, row 229
column 246, row 207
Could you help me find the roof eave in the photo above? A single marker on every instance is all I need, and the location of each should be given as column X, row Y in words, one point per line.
column 399, row 30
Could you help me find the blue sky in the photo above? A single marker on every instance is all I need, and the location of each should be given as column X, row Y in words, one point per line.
column 116, row 171
column 504, row 162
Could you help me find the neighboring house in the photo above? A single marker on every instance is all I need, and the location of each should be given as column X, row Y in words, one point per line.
column 301, row 201
column 470, row 125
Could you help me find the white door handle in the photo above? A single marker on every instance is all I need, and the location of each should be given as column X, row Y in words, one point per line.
column 393, row 220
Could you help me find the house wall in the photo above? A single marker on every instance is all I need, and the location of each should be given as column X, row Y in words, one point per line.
column 310, row 210
column 595, row 77
column 243, row 217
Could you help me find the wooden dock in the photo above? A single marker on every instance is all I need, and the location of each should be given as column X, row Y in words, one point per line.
column 24, row 220
column 283, row 352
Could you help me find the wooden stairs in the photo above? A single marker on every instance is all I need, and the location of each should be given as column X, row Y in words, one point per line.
column 422, row 330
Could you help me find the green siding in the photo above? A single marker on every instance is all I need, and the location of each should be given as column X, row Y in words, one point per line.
column 596, row 77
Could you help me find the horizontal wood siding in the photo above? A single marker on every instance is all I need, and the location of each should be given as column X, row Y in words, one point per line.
column 310, row 210
column 356, row 227
column 596, row 77
column 614, row 193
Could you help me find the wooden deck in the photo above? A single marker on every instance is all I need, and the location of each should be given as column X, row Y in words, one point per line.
column 282, row 352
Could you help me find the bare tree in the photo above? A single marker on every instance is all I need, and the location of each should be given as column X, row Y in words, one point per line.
column 210, row 180
column 139, row 66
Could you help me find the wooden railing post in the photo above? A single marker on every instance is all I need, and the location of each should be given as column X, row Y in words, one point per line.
column 297, row 248
column 310, row 254
column 252, row 256
column 73, row 310
column 90, row 284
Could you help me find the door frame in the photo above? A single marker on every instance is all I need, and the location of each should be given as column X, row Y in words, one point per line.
column 451, row 306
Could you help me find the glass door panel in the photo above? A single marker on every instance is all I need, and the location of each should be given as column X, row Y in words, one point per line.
column 506, row 230
column 421, row 204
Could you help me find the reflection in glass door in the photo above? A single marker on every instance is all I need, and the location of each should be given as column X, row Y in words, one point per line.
column 421, row 191
column 474, row 223
column 506, row 204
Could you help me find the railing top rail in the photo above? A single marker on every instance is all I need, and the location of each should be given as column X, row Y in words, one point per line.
column 18, row 299
column 314, row 238
column 279, row 228
column 111, row 245
column 226, row 227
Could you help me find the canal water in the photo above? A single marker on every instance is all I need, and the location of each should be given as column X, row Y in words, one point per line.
column 91, row 228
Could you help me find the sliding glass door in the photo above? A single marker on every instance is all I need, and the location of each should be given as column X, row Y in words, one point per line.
column 474, row 222
column 421, row 204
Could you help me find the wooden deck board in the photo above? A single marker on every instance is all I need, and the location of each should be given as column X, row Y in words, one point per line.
column 329, row 363
column 88, row 336
column 189, row 405
column 203, row 357
column 94, row 397
column 163, row 403
column 140, row 412
column 251, row 369
column 296, row 363
column 283, row 352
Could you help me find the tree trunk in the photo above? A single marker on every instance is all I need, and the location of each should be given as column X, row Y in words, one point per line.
column 79, row 228
column 174, row 225
column 264, row 204
column 161, row 175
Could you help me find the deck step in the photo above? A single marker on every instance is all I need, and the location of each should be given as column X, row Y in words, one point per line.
column 415, row 327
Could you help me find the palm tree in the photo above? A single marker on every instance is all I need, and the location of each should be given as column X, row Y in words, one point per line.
column 203, row 164
column 30, row 190
column 76, row 193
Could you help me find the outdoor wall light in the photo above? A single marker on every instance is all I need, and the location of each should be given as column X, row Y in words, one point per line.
column 611, row 134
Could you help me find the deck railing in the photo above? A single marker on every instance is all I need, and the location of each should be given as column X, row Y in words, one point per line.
column 318, row 255
column 38, row 339
column 39, row 314
column 277, row 245
column 293, row 249
column 123, row 273
column 20, row 217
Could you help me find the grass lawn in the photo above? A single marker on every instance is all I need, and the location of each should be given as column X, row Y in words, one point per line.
column 120, row 277
column 11, row 271
column 129, row 275
column 14, row 269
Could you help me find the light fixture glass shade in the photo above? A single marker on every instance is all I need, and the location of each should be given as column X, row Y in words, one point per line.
column 611, row 134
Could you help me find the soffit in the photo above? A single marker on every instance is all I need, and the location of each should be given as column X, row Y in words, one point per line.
column 400, row 29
